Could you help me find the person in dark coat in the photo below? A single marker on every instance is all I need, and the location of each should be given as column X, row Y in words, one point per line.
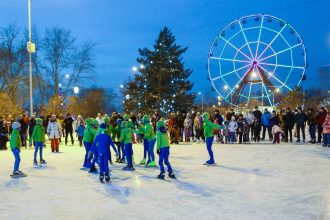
column 311, row 121
column 300, row 120
column 24, row 121
column 32, row 124
column 257, row 113
column 273, row 120
column 230, row 114
column 288, row 119
column 180, row 117
column 3, row 134
column 68, row 121
column 320, row 119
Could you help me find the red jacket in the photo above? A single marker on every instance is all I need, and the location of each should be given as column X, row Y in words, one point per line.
column 326, row 125
column 320, row 118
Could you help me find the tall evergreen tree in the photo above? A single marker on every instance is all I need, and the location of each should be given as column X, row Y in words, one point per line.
column 162, row 81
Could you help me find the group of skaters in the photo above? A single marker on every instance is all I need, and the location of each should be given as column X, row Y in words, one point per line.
column 119, row 132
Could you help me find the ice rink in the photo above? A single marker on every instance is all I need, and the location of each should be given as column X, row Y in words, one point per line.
column 256, row 181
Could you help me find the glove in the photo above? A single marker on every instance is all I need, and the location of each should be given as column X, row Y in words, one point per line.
column 158, row 152
column 90, row 155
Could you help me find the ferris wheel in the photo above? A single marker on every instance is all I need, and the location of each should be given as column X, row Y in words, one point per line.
column 257, row 57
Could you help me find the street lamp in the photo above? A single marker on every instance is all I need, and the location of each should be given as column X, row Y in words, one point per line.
column 76, row 90
column 200, row 93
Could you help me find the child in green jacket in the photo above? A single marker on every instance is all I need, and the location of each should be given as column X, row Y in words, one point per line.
column 89, row 136
column 163, row 149
column 209, row 136
column 38, row 137
column 15, row 145
column 126, row 137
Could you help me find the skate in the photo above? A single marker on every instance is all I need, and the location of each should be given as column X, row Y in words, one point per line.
column 18, row 174
column 208, row 163
column 42, row 161
column 92, row 169
column 152, row 164
column 143, row 162
column 111, row 162
column 161, row 175
column 35, row 163
column 107, row 178
column 101, row 178
column 171, row 175
column 128, row 168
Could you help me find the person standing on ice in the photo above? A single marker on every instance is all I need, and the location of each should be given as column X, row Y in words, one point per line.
column 126, row 137
column 265, row 121
column 163, row 149
column 209, row 136
column 93, row 150
column 232, row 129
column 38, row 138
column 54, row 133
column 102, row 143
column 89, row 135
column 326, row 131
column 120, row 145
column 109, row 131
column 15, row 145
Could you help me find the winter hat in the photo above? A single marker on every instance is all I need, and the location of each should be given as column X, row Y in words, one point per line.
column 103, row 127
column 95, row 122
column 206, row 116
column 39, row 121
column 146, row 119
column 89, row 122
column 16, row 125
column 233, row 118
column 160, row 123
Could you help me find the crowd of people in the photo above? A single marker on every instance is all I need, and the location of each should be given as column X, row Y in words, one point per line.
column 121, row 131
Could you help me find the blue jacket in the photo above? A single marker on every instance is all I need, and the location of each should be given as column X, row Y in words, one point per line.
column 265, row 119
column 80, row 130
column 102, row 143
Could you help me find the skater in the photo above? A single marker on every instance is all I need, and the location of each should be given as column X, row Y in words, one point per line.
column 277, row 132
column 102, row 143
column 89, row 135
column 15, row 145
column 150, row 136
column 80, row 132
column 32, row 124
column 208, row 134
column 38, row 138
column 54, row 133
column 288, row 119
column 256, row 129
column 300, row 120
column 188, row 127
column 240, row 124
column 232, row 129
column 265, row 122
column 109, row 131
column 68, row 126
column 120, row 145
column 126, row 137
column 311, row 121
column 326, row 131
column 93, row 150
column 163, row 150
column 226, row 132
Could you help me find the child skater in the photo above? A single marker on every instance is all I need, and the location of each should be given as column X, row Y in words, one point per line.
column 80, row 132
column 89, row 135
column 232, row 128
column 93, row 150
column 126, row 136
column 38, row 138
column 326, row 131
column 226, row 132
column 116, row 134
column 163, row 149
column 140, row 132
column 15, row 145
column 102, row 143
column 256, row 129
column 209, row 136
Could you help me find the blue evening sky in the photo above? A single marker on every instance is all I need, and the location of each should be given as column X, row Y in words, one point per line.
column 119, row 28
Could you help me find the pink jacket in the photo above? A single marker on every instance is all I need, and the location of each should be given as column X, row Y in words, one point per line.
column 326, row 125
column 276, row 129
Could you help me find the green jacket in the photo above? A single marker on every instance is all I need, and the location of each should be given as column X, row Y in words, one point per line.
column 126, row 133
column 162, row 138
column 209, row 126
column 38, row 134
column 110, row 128
column 15, row 140
column 128, row 119
column 90, row 132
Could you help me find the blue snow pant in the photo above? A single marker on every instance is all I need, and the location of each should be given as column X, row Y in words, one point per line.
column 145, row 149
column 209, row 142
column 87, row 163
column 16, row 153
column 38, row 146
column 163, row 158
column 95, row 158
column 104, row 165
column 312, row 132
column 151, row 145
column 129, row 154
column 233, row 137
column 326, row 140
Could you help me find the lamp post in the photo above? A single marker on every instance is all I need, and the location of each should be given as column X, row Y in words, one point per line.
column 200, row 93
column 31, row 49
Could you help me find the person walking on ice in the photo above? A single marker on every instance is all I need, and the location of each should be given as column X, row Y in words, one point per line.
column 38, row 138
column 163, row 149
column 126, row 136
column 15, row 145
column 102, row 143
column 209, row 136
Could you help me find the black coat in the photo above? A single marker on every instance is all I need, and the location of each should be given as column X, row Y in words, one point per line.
column 273, row 121
column 68, row 121
column 257, row 114
column 289, row 120
column 300, row 118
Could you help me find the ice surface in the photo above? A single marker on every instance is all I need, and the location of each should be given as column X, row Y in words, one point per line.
column 256, row 181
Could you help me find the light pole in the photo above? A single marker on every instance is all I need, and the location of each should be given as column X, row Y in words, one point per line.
column 31, row 49
column 200, row 93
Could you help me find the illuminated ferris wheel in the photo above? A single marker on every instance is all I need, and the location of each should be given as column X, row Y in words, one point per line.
column 257, row 57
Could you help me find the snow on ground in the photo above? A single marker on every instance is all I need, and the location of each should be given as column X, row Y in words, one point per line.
column 256, row 181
